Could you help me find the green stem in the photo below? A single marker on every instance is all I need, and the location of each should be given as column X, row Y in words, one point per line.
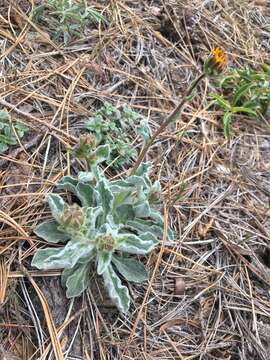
column 170, row 119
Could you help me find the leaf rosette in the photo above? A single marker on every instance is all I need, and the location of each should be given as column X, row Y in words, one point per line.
column 112, row 221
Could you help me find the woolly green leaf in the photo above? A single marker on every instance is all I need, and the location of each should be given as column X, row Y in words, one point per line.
column 105, row 196
column 131, row 181
column 58, row 258
column 124, row 213
column 8, row 138
column 144, row 130
column 133, row 244
column 120, row 185
column 92, row 220
column 156, row 187
column 21, row 129
column 148, row 237
column 77, row 280
column 137, row 181
column 103, row 260
column 69, row 271
column 86, row 194
column 156, row 228
column 56, row 204
column 158, row 220
column 130, row 269
column 49, row 231
column 68, row 183
column 156, row 215
column 86, row 176
column 144, row 169
column 120, row 195
column 118, row 292
column 83, row 191
column 3, row 147
column 142, row 210
column 4, row 116
column 142, row 226
column 102, row 153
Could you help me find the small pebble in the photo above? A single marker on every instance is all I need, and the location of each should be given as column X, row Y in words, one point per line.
column 179, row 286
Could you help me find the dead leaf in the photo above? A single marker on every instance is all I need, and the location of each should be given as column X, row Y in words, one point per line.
column 174, row 322
column 203, row 229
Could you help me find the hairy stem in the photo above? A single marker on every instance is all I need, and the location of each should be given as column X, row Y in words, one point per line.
column 170, row 119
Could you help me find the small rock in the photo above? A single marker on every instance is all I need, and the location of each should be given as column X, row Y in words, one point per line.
column 179, row 286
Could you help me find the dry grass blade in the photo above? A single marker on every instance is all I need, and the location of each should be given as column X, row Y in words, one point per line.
column 49, row 320
column 5, row 218
column 4, row 272
column 139, row 316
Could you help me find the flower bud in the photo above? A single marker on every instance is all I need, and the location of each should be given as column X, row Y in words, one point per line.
column 155, row 197
column 106, row 243
column 87, row 144
column 73, row 216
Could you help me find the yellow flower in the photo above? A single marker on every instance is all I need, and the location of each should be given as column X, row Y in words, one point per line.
column 219, row 57
column 216, row 62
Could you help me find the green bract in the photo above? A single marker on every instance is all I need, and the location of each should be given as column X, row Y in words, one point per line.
column 114, row 220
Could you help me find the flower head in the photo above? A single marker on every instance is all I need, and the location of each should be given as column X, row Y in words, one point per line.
column 72, row 216
column 86, row 144
column 106, row 242
column 216, row 62
column 219, row 57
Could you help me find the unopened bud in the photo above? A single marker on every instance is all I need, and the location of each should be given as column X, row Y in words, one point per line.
column 87, row 144
column 73, row 216
column 105, row 243
column 154, row 197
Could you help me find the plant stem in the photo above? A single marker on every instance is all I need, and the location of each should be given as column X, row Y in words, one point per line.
column 170, row 119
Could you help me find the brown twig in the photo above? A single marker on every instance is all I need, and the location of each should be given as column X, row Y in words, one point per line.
column 174, row 116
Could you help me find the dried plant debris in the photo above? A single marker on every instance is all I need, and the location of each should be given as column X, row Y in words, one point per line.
column 215, row 192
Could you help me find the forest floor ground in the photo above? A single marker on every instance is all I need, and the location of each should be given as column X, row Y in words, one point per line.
column 215, row 191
